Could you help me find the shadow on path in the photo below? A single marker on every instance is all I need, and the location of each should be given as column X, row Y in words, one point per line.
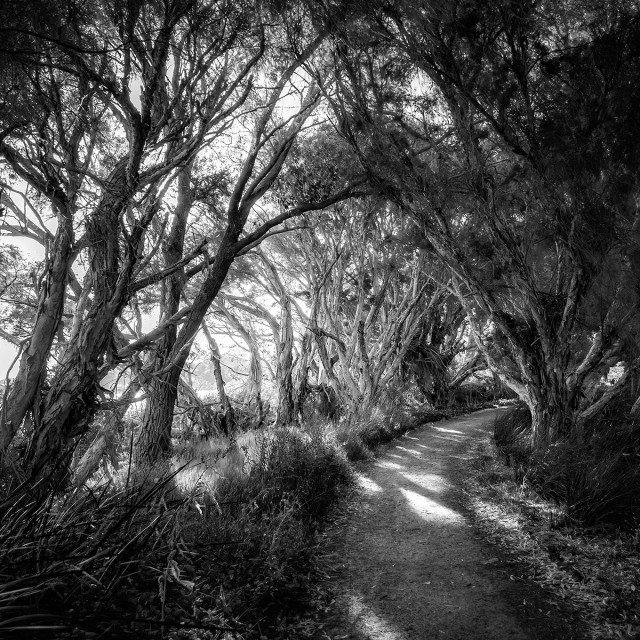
column 409, row 564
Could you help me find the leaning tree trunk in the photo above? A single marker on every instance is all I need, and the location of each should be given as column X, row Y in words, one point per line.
column 105, row 440
column 197, row 412
column 67, row 410
column 151, row 450
column 27, row 383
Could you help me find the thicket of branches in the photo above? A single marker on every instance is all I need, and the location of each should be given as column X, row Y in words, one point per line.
column 376, row 200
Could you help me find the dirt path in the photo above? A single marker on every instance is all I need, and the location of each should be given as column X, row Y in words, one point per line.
column 406, row 562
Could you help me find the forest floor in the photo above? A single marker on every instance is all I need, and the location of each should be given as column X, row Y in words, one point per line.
column 404, row 560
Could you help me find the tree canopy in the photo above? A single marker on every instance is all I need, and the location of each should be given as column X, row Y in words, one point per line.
column 391, row 192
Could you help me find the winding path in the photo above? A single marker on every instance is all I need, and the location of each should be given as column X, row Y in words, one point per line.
column 406, row 562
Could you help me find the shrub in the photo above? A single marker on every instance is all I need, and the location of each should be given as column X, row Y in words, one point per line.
column 228, row 534
column 352, row 443
column 594, row 474
column 306, row 465
column 603, row 475
column 79, row 551
column 511, row 432
column 261, row 524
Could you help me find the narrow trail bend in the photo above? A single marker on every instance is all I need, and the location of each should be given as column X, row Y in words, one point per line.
column 409, row 565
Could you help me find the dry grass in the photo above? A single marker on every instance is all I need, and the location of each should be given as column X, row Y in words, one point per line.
column 216, row 543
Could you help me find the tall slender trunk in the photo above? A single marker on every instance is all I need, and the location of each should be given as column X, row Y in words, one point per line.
column 301, row 386
column 284, row 375
column 284, row 349
column 154, row 439
column 228, row 422
column 253, row 389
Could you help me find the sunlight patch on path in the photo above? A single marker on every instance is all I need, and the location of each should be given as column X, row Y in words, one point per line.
column 368, row 485
column 412, row 451
column 430, row 510
column 387, row 464
column 368, row 621
column 454, row 431
column 430, row 481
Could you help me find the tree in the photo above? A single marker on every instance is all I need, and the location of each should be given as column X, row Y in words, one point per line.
column 266, row 153
column 101, row 159
column 228, row 423
column 371, row 296
column 497, row 127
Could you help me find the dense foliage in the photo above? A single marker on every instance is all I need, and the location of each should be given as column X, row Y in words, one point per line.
column 407, row 205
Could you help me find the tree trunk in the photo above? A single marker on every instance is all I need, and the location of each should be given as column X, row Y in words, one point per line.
column 284, row 374
column 253, row 389
column 67, row 410
column 253, row 386
column 549, row 412
column 105, row 441
column 33, row 362
column 154, row 439
column 197, row 411
column 155, row 431
column 284, row 350
column 302, row 377
column 228, row 421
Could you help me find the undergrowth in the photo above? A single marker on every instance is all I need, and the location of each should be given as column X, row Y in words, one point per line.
column 218, row 542
column 593, row 474
column 561, row 515
column 365, row 431
column 189, row 552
